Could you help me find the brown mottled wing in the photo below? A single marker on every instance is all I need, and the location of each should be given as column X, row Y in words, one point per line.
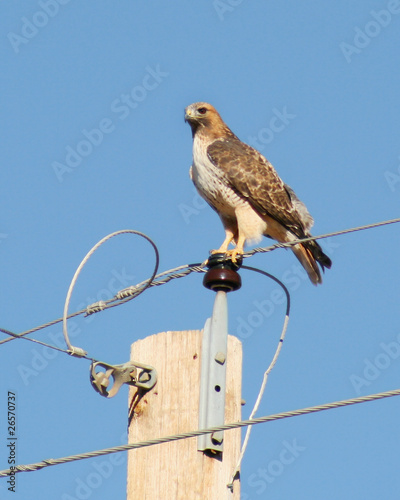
column 254, row 178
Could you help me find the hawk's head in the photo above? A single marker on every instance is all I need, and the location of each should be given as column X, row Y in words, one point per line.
column 202, row 115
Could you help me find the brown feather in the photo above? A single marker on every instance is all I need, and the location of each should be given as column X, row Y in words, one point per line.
column 251, row 175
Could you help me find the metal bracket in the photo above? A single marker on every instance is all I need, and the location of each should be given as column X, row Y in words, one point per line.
column 213, row 375
column 121, row 374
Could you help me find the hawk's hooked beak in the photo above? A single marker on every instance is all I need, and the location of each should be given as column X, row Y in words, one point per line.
column 188, row 114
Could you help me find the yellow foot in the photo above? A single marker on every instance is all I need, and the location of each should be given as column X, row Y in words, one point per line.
column 233, row 254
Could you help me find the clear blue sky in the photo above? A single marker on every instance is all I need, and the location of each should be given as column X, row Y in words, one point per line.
column 119, row 74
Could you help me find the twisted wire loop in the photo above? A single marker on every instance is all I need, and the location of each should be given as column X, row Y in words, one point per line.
column 78, row 351
column 161, row 279
column 191, row 434
column 129, row 293
column 120, row 297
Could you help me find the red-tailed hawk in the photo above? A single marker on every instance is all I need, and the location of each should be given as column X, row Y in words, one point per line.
column 244, row 189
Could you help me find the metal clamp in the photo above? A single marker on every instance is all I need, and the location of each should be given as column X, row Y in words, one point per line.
column 127, row 373
column 213, row 376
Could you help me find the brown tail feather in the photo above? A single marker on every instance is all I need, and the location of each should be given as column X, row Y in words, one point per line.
column 309, row 253
column 309, row 263
column 318, row 254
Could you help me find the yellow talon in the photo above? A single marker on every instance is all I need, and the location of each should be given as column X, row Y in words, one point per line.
column 233, row 254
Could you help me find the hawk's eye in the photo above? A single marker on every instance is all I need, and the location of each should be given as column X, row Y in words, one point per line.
column 202, row 111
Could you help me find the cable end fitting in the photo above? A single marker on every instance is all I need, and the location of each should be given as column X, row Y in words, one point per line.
column 78, row 352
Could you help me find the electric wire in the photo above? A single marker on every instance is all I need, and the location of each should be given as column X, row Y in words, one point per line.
column 15, row 335
column 129, row 293
column 162, row 278
column 266, row 373
column 77, row 351
column 89, row 309
column 319, row 237
column 191, row 434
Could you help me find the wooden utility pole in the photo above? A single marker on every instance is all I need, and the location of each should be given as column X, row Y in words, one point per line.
column 177, row 470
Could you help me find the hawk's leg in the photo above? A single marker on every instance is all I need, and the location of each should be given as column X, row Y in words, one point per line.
column 229, row 236
column 238, row 250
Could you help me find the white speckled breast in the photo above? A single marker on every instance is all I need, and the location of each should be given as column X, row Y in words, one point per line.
column 211, row 182
column 234, row 210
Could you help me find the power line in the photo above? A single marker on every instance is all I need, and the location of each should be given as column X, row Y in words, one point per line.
column 128, row 294
column 320, row 237
column 186, row 435
column 15, row 335
column 267, row 371
column 77, row 351
column 96, row 307
column 124, row 295
column 131, row 292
